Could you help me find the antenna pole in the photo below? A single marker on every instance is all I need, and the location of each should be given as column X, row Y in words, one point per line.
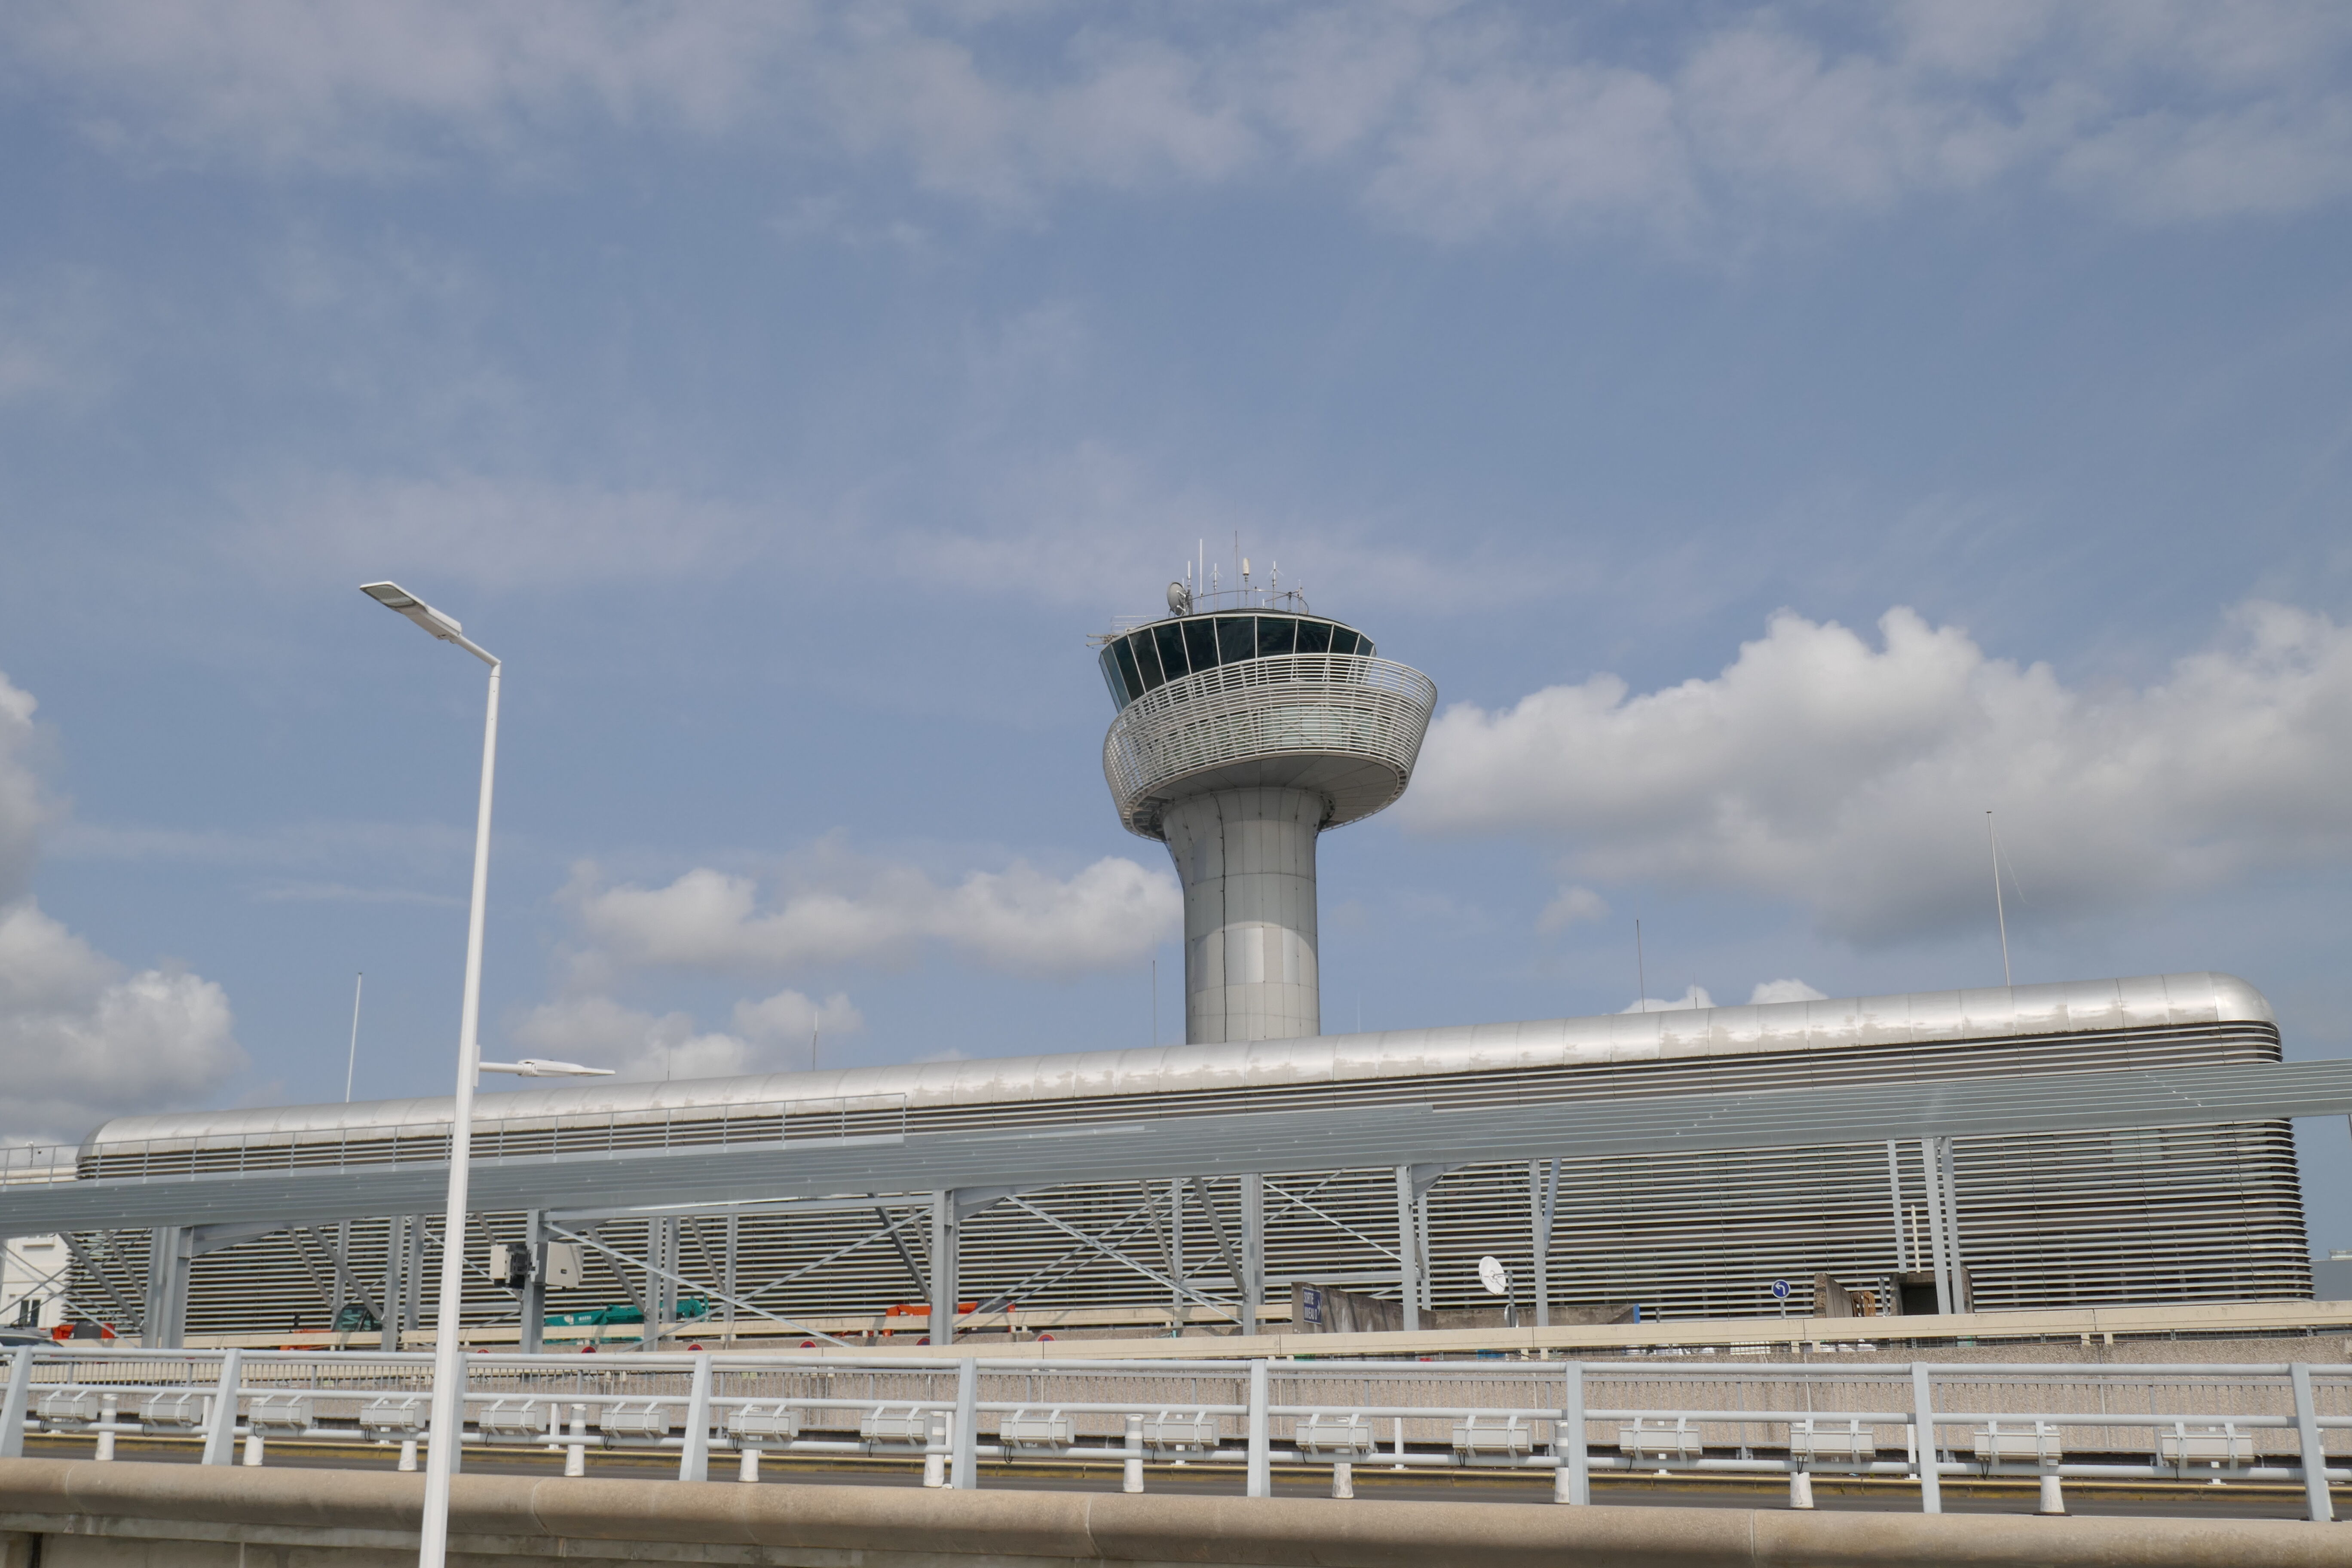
column 1641, row 970
column 1998, row 913
column 1155, row 999
column 816, row 1023
column 352, row 1063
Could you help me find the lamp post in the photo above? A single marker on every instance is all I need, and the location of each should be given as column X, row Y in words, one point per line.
column 447, row 1418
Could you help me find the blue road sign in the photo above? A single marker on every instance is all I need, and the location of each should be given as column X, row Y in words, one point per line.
column 1780, row 1289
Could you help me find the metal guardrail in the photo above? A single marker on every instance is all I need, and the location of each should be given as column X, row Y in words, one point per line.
column 495, row 1138
column 2271, row 1424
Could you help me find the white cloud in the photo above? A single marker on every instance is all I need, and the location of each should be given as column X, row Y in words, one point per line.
column 494, row 532
column 1449, row 120
column 1111, row 913
column 771, row 1035
column 1696, row 996
column 24, row 810
column 1061, row 527
column 1573, row 905
column 372, row 85
column 81, row 1037
column 1854, row 777
column 1693, row 997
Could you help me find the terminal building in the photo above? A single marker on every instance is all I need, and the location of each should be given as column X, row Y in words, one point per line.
column 1246, row 727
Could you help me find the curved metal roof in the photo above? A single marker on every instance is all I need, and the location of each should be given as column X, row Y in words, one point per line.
column 1995, row 1013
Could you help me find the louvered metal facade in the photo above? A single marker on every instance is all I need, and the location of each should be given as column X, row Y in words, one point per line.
column 2180, row 1215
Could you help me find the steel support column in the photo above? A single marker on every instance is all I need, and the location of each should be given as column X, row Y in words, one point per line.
column 1543, row 1203
column 1949, row 1174
column 661, row 1285
column 1939, row 1251
column 1253, row 1249
column 412, row 1292
column 947, row 1227
column 1408, row 1251
column 533, row 1303
column 1895, row 1202
column 734, row 1238
column 1176, row 1303
column 163, row 1323
column 395, row 1287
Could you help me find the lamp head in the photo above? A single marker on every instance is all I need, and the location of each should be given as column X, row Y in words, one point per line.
column 393, row 596
column 540, row 1066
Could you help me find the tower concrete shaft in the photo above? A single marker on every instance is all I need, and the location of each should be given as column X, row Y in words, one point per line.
column 1246, row 858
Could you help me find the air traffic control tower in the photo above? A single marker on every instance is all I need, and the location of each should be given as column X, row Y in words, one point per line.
column 1246, row 726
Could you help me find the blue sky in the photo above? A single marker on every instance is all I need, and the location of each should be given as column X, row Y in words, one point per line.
column 1783, row 433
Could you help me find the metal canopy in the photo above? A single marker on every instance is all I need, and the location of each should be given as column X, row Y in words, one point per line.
column 1275, row 1066
column 1264, row 1142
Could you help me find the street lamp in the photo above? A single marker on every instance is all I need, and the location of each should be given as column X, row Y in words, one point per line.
column 448, row 1419
column 442, row 1435
column 540, row 1066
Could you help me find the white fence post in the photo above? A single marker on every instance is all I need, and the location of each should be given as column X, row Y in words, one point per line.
column 20, row 1397
column 1571, row 1477
column 220, row 1429
column 694, row 1459
column 935, row 1450
column 2314, row 1453
column 966, row 1426
column 1923, row 1416
column 1261, row 1456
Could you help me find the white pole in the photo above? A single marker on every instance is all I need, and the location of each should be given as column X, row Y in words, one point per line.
column 352, row 1063
column 442, row 1450
column 1998, row 913
column 1641, row 970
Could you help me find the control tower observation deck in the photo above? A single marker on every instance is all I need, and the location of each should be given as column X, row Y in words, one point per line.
column 1246, row 726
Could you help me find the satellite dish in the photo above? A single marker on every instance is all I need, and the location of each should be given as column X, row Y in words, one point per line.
column 1494, row 1276
column 1180, row 599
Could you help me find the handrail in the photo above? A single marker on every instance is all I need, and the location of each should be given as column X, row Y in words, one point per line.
column 704, row 1403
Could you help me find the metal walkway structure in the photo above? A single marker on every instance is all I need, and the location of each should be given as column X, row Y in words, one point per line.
column 2167, row 1092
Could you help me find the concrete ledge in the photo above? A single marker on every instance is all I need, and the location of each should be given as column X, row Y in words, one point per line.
column 2091, row 1325
column 2097, row 1323
column 357, row 1514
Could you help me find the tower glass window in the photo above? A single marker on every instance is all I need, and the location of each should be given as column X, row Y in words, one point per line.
column 1236, row 639
column 1201, row 643
column 1168, row 639
column 1147, row 658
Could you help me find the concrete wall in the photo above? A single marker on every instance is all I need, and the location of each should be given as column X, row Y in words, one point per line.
column 126, row 1515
